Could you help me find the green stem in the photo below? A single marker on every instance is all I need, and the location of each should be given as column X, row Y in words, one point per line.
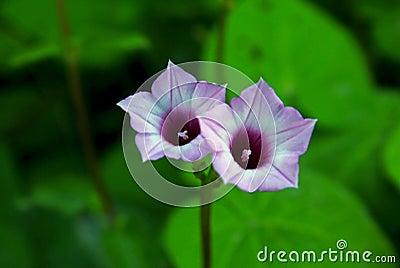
column 82, row 117
column 205, row 219
column 205, row 210
column 205, row 176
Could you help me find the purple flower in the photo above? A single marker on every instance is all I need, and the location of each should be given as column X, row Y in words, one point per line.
column 258, row 141
column 166, row 119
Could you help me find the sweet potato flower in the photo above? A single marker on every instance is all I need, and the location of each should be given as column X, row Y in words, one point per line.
column 257, row 140
column 167, row 118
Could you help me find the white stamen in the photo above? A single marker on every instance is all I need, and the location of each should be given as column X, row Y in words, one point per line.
column 245, row 155
column 183, row 135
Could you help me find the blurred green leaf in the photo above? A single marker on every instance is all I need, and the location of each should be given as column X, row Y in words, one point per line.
column 388, row 102
column 125, row 243
column 14, row 249
column 344, row 154
column 117, row 178
column 120, row 181
column 308, row 58
column 35, row 54
column 54, row 241
column 175, row 175
column 384, row 18
column 124, row 190
column 17, row 101
column 9, row 46
column 313, row 217
column 68, row 194
column 37, row 118
column 8, row 182
column 392, row 156
column 180, row 9
column 122, row 249
column 102, row 33
column 134, row 243
column 354, row 158
column 112, row 48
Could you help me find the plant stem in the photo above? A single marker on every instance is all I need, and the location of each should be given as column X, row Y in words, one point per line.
column 205, row 220
column 205, row 210
column 75, row 85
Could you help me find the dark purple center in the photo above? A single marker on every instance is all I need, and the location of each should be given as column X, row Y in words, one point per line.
column 178, row 131
column 191, row 130
column 247, row 140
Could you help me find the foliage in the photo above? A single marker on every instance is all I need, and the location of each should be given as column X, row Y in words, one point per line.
column 243, row 224
column 337, row 63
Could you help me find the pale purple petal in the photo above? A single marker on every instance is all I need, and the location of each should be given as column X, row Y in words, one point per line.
column 171, row 151
column 144, row 117
column 252, row 179
column 283, row 173
column 296, row 137
column 293, row 132
column 195, row 150
column 210, row 90
column 273, row 100
column 227, row 168
column 176, row 96
column 232, row 173
column 198, row 97
column 218, row 125
column 150, row 146
column 172, row 78
column 253, row 108
column 207, row 95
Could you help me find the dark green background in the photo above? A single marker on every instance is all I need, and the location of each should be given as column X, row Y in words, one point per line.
column 338, row 61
